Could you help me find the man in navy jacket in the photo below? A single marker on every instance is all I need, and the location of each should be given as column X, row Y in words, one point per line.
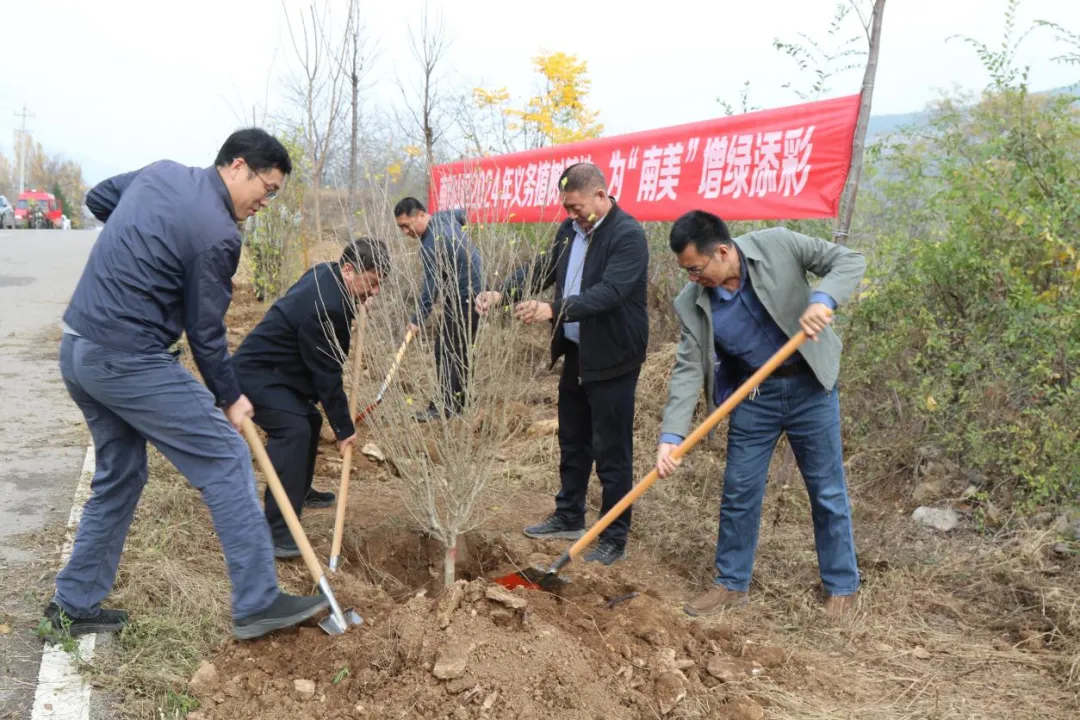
column 292, row 359
column 162, row 266
column 451, row 269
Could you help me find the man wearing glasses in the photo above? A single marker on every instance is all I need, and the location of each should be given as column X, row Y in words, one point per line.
column 162, row 266
column 746, row 298
column 292, row 359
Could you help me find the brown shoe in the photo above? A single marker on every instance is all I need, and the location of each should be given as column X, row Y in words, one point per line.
column 838, row 607
column 714, row 601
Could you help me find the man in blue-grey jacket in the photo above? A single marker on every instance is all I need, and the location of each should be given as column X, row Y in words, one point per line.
column 163, row 265
column 451, row 269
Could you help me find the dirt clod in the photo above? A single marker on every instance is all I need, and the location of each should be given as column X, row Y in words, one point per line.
column 305, row 689
column 502, row 595
column 452, row 660
column 724, row 669
column 204, row 683
column 450, row 602
column 669, row 690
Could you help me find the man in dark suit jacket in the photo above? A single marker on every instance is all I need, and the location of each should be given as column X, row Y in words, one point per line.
column 599, row 265
column 292, row 360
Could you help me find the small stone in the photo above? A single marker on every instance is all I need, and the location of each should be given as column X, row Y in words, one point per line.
column 770, row 656
column 943, row 519
column 489, row 701
column 4, row 628
column 461, row 684
column 743, row 708
column 921, row 653
column 669, row 690
column 204, row 682
column 1061, row 549
column 501, row 595
column 969, row 493
column 305, row 689
column 723, row 669
column 452, row 661
column 372, row 451
column 502, row 617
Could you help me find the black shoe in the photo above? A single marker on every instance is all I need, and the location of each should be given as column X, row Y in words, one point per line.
column 286, row 548
column 554, row 528
column 106, row 621
column 317, row 499
column 431, row 413
column 606, row 552
column 286, row 611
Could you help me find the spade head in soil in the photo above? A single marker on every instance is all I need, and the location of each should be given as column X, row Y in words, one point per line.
column 534, row 577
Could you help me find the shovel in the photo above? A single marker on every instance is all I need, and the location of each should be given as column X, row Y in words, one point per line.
column 388, row 378
column 339, row 620
column 346, row 461
column 537, row 577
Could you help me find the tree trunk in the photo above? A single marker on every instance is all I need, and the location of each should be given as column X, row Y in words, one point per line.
column 355, row 79
column 450, row 563
column 851, row 188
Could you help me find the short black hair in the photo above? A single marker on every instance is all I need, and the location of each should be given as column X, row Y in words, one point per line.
column 258, row 148
column 366, row 253
column 408, row 207
column 582, row 177
column 701, row 228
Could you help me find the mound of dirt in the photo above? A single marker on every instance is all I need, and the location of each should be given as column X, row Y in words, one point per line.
column 480, row 650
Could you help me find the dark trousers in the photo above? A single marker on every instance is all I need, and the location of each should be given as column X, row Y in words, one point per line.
column 457, row 331
column 292, row 442
column 596, row 423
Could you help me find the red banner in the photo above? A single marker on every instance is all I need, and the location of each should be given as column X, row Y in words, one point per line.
column 783, row 164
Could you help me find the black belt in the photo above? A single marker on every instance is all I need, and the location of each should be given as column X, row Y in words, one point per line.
column 789, row 370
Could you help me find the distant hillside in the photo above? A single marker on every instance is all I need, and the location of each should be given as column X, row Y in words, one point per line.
column 881, row 125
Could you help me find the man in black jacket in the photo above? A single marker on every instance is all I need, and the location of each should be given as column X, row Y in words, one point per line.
column 162, row 266
column 451, row 269
column 598, row 263
column 292, row 359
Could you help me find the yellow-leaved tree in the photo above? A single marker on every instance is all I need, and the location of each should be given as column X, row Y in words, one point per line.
column 559, row 114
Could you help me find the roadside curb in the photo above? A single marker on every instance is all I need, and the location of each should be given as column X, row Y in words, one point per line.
column 62, row 693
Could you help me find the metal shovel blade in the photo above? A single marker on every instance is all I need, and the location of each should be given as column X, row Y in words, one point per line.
column 339, row 620
column 334, row 624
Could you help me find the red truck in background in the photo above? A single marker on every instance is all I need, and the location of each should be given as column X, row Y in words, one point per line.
column 37, row 209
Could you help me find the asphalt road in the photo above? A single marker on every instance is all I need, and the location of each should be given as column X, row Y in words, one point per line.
column 42, row 441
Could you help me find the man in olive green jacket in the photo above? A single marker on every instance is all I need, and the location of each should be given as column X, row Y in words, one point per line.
column 746, row 298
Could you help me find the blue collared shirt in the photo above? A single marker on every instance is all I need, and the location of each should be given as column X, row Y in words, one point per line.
column 743, row 330
column 575, row 268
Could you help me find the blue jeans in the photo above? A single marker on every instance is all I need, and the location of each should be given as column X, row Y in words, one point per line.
column 128, row 399
column 810, row 415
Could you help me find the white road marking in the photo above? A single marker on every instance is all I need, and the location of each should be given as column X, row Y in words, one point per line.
column 62, row 693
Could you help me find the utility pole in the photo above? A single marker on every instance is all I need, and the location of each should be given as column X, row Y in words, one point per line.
column 22, row 148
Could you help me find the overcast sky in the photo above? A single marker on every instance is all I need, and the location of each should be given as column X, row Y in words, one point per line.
column 119, row 83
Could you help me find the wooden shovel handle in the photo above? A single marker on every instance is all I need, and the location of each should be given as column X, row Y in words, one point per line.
column 274, row 483
column 693, row 439
column 346, row 461
column 386, row 380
